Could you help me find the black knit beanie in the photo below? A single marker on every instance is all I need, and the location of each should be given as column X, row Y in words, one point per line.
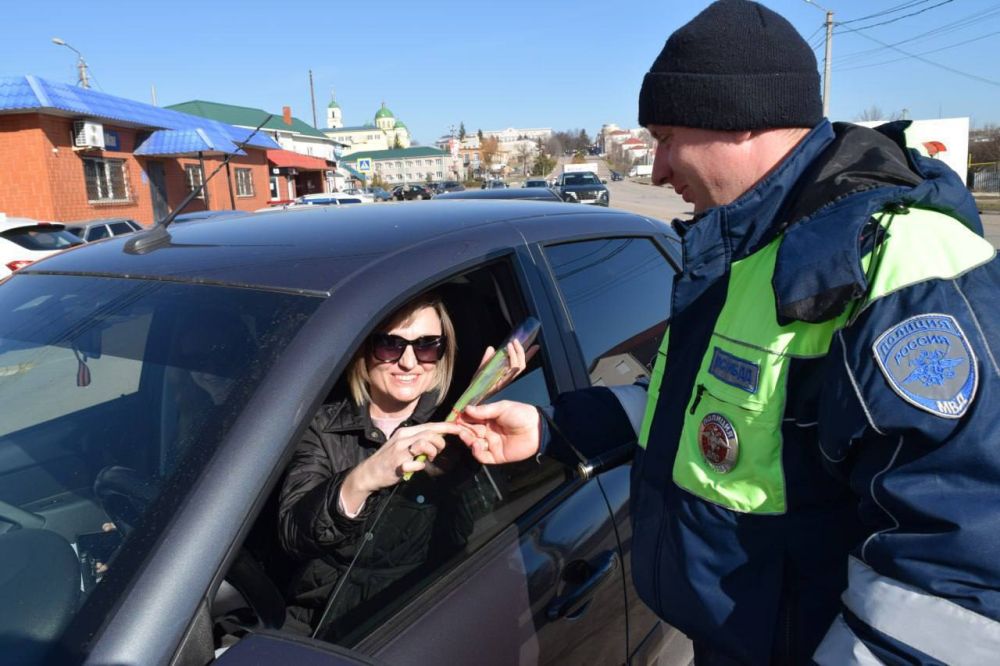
column 735, row 66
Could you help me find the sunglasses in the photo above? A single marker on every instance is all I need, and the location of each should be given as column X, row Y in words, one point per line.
column 390, row 348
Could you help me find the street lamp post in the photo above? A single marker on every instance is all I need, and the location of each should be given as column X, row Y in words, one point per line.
column 81, row 64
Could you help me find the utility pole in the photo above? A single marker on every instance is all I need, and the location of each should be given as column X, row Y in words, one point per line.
column 828, row 59
column 312, row 95
column 827, row 64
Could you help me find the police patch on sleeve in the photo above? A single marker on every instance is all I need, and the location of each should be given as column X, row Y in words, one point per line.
column 928, row 361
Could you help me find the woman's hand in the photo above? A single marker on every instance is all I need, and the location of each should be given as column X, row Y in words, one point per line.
column 396, row 457
column 517, row 361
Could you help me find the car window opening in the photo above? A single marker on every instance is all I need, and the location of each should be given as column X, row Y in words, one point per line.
column 422, row 528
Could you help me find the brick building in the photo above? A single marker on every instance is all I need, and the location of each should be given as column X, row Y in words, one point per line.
column 69, row 153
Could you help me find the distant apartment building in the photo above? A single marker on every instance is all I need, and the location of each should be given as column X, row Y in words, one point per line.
column 69, row 153
column 418, row 164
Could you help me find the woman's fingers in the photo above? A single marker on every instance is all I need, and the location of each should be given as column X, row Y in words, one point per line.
column 426, row 446
column 437, row 427
column 410, row 466
column 487, row 355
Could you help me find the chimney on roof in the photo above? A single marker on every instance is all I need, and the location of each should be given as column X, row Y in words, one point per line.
column 286, row 114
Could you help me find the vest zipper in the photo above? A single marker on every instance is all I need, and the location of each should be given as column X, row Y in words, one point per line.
column 697, row 398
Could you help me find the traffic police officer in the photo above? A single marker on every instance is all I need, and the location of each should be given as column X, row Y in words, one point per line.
column 817, row 474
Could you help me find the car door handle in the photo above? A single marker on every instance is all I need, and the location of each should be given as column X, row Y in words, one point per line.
column 572, row 601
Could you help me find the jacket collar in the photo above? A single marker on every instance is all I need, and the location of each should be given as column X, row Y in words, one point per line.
column 349, row 417
column 863, row 172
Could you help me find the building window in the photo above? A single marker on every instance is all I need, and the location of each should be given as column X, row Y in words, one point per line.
column 195, row 177
column 244, row 183
column 274, row 187
column 106, row 180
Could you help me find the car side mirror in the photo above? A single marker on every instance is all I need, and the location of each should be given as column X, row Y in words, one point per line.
column 604, row 181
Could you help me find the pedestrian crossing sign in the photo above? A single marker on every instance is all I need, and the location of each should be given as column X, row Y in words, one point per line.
column 364, row 165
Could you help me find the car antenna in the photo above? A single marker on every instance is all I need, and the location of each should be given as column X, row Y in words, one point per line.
column 157, row 237
column 198, row 190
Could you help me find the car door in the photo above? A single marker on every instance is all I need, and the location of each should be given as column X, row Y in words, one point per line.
column 614, row 291
column 538, row 577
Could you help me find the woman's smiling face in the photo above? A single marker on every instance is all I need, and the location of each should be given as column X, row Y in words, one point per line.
column 396, row 385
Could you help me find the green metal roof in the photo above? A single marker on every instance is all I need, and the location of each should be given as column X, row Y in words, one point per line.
column 244, row 116
column 400, row 124
column 367, row 127
column 396, row 153
column 333, row 104
column 383, row 113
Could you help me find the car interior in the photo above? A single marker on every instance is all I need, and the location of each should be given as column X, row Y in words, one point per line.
column 484, row 309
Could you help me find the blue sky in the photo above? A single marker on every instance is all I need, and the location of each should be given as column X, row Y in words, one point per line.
column 546, row 63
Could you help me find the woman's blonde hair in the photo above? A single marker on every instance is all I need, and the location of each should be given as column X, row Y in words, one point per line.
column 357, row 374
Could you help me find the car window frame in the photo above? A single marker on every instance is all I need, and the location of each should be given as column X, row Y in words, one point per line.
column 669, row 248
column 572, row 342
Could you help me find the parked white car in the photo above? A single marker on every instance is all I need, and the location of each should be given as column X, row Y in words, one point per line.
column 331, row 198
column 24, row 241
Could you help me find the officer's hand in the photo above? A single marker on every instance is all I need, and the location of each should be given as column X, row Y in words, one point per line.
column 501, row 432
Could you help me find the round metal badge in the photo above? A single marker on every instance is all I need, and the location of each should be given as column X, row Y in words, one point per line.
column 718, row 442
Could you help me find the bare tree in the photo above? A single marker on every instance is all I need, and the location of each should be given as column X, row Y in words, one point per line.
column 524, row 157
column 488, row 149
column 873, row 113
column 984, row 145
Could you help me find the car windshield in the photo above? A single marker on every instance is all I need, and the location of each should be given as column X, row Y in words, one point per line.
column 586, row 178
column 42, row 237
column 114, row 393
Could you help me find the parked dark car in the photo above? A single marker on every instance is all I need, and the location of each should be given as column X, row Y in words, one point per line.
column 451, row 186
column 536, row 182
column 160, row 383
column 583, row 187
column 615, row 176
column 92, row 230
column 530, row 193
column 409, row 192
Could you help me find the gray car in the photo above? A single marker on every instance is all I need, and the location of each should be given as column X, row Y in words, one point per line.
column 92, row 230
column 155, row 386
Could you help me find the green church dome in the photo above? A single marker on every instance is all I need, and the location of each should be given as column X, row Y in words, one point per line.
column 383, row 113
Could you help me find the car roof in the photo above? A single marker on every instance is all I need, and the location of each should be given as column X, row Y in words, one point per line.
column 312, row 249
column 531, row 193
column 210, row 214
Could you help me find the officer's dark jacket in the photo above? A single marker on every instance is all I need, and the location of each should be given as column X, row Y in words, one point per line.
column 422, row 524
column 843, row 218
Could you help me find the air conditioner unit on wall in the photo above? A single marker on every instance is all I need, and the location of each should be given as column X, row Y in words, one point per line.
column 88, row 134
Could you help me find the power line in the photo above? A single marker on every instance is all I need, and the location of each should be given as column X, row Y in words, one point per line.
column 934, row 64
column 943, row 48
column 940, row 31
column 898, row 18
column 886, row 12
